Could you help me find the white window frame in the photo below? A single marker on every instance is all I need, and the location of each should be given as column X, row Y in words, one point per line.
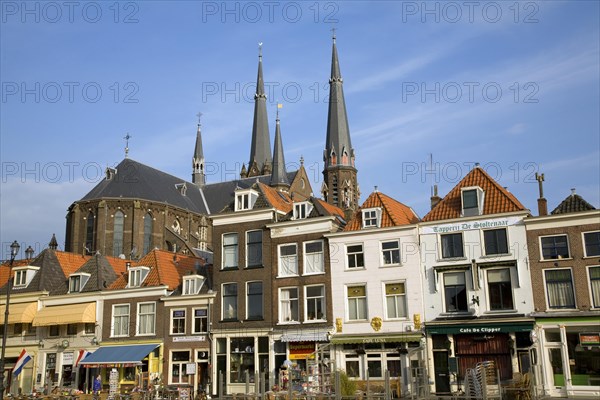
column 126, row 317
column 254, row 243
column 192, row 284
column 570, row 256
column 593, row 306
column 443, row 284
column 245, row 199
column 585, row 254
column 173, row 318
column 383, row 251
column 302, row 210
column 137, row 276
column 306, row 259
column 285, row 304
column 487, row 289
column 23, row 275
column 324, row 304
column 281, row 272
column 83, row 279
column 484, row 248
column 201, row 317
column 472, row 211
column 184, row 379
column 440, row 246
column 355, row 301
column 355, row 254
column 371, row 217
column 386, row 296
column 151, row 315
column 237, row 300
column 546, row 294
column 235, row 255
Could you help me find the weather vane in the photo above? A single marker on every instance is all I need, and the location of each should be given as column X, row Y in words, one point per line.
column 333, row 33
column 260, row 49
column 199, row 115
column 127, row 137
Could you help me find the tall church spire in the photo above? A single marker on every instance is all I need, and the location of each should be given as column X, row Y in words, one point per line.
column 260, row 152
column 279, row 178
column 198, row 176
column 340, row 186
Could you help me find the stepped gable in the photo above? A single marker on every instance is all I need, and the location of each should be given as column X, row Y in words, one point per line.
column 497, row 199
column 135, row 180
column 394, row 213
column 573, row 203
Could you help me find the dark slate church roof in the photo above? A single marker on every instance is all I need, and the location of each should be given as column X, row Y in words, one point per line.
column 573, row 203
column 135, row 180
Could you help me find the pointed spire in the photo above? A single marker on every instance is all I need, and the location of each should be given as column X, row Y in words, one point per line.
column 279, row 178
column 53, row 245
column 260, row 151
column 198, row 176
column 338, row 147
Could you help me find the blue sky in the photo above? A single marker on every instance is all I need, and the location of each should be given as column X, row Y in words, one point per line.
column 511, row 85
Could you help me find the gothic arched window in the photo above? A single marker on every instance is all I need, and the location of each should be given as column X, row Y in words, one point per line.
column 89, row 233
column 148, row 233
column 118, row 233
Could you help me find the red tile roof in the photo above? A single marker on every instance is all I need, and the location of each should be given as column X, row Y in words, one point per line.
column 497, row 200
column 70, row 262
column 5, row 267
column 331, row 209
column 280, row 200
column 393, row 213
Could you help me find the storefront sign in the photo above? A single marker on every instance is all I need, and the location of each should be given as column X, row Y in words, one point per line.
column 471, row 225
column 479, row 328
column 190, row 368
column 189, row 338
column 589, row 339
column 301, row 350
column 67, row 358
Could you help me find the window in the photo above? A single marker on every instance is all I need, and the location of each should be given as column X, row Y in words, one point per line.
column 192, row 284
column 472, row 201
column 592, row 243
column 288, row 260
column 120, row 320
column 315, row 302
column 500, row 289
column 20, row 278
column 230, row 301
column 89, row 328
column 390, row 252
column 374, row 365
column 148, row 227
column 356, row 257
column 371, row 217
column 75, row 283
column 357, row 303
column 71, row 329
column 179, row 359
column 146, row 318
column 352, row 366
column 302, row 210
column 595, row 286
column 118, row 222
column 559, row 285
column 288, row 305
column 178, row 322
column 455, row 292
column 137, row 276
column 242, row 202
column 200, row 320
column 469, row 199
column 314, row 261
column 554, row 247
column 452, row 245
column 395, row 300
column 254, row 249
column 230, row 250
column 53, row 330
column 254, row 300
column 89, row 233
column 495, row 241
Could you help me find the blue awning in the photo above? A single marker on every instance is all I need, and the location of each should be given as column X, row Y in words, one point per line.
column 132, row 354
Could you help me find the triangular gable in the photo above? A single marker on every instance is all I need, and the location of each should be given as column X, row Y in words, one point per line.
column 573, row 203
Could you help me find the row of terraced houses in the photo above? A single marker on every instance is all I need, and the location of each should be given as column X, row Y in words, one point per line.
column 218, row 286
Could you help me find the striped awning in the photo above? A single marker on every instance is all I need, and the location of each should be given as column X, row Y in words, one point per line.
column 305, row 336
column 68, row 314
column 20, row 313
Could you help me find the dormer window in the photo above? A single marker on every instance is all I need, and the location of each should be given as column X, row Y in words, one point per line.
column 137, row 276
column 182, row 188
column 244, row 200
column 472, row 201
column 110, row 173
column 77, row 282
column 23, row 276
column 371, row 217
column 192, row 284
column 302, row 210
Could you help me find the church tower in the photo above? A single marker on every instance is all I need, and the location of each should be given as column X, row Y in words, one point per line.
column 198, row 174
column 340, row 186
column 260, row 150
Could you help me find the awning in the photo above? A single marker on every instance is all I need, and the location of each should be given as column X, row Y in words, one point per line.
column 479, row 327
column 132, row 354
column 305, row 336
column 20, row 313
column 62, row 315
column 349, row 339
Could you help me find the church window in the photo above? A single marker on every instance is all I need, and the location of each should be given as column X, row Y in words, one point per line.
column 89, row 233
column 118, row 233
column 148, row 222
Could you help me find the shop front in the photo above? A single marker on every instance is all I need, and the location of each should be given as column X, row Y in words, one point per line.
column 297, row 362
column 455, row 347
column 123, row 368
column 569, row 350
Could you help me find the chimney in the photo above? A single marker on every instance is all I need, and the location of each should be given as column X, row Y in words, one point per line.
column 435, row 199
column 542, row 202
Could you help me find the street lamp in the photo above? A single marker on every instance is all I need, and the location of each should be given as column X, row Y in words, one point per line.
column 14, row 250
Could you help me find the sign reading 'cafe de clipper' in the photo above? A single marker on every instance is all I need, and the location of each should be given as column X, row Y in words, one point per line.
column 467, row 226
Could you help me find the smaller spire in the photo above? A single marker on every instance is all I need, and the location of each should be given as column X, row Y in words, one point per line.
column 279, row 178
column 53, row 245
column 198, row 176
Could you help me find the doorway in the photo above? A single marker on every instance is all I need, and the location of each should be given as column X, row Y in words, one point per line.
column 442, row 372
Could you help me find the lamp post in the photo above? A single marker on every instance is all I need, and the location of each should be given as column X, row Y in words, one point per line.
column 14, row 250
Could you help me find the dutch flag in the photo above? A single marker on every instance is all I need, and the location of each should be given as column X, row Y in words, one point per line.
column 82, row 354
column 23, row 359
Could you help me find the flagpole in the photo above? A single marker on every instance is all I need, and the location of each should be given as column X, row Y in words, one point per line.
column 14, row 250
